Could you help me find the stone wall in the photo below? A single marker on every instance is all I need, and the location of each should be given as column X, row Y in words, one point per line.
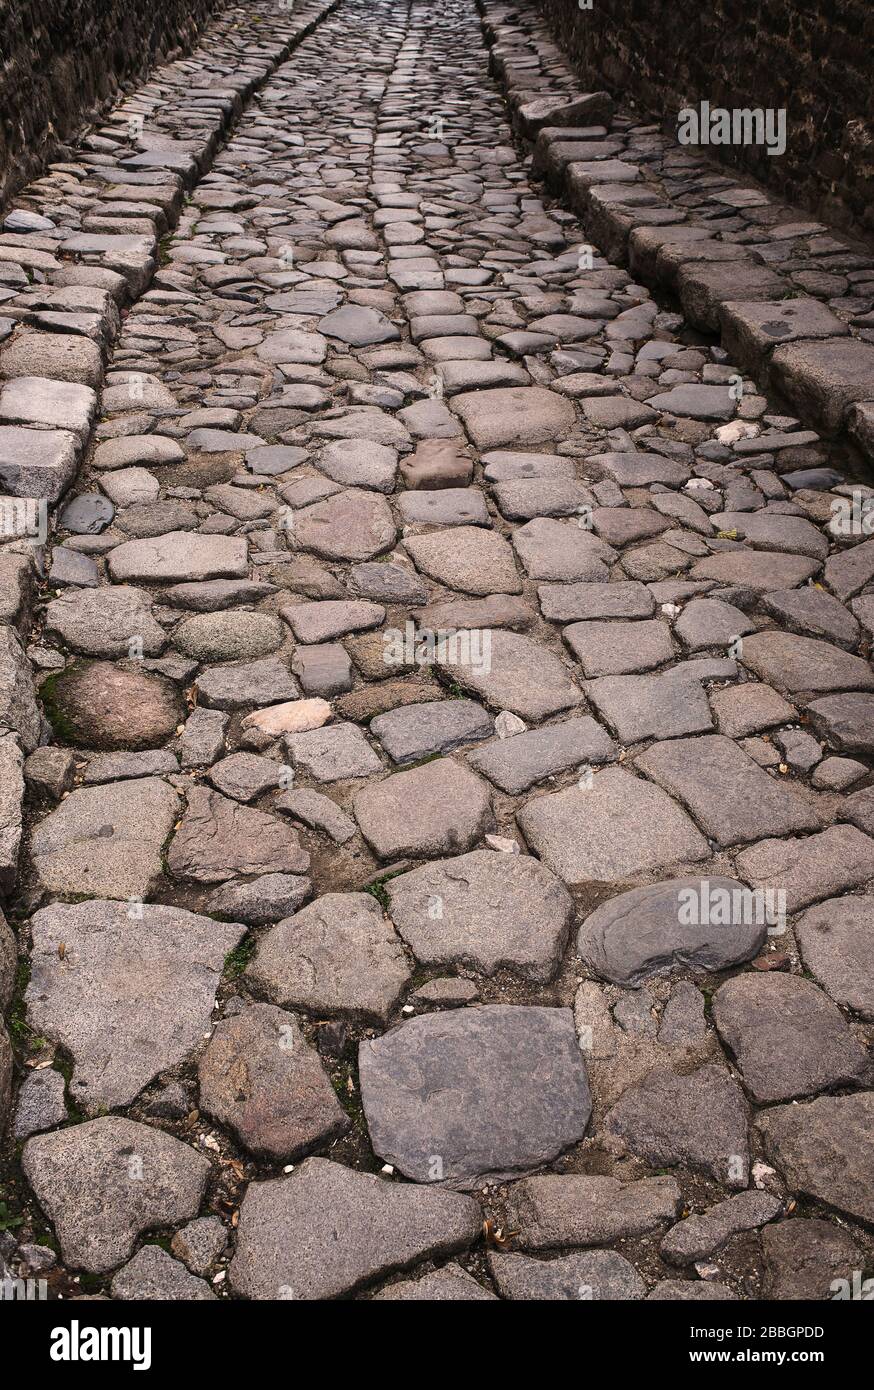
column 812, row 59
column 62, row 59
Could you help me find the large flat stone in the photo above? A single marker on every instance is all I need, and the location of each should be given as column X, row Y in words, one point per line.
column 219, row 839
column 484, row 909
column 351, row 525
column 561, row 550
column 576, row 832
column 439, row 808
column 837, row 947
column 811, row 867
column 678, row 924
column 467, row 558
column 517, row 673
column 178, row 556
column 788, row 1037
column 514, row 764
column 586, row 1274
column 553, row 1212
column 730, row 796
column 515, row 416
column 105, row 1182
column 825, row 1150
column 804, row 666
column 328, row 1230
column 664, row 705
column 845, row 722
column 59, row 356
column 37, row 463
column 823, row 379
column 476, row 1094
column 697, row 1120
column 413, row 732
column 107, row 622
column 338, row 955
column 106, row 842
column 132, row 995
column 260, row 1077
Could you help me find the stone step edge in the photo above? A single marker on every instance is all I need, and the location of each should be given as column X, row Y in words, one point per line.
column 836, row 398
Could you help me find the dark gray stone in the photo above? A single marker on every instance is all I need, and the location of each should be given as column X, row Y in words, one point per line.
column 443, row 1102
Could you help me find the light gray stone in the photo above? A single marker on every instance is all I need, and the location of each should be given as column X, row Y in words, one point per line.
column 730, row 796
column 132, row 995
column 484, row 909
column 327, row 1231
column 439, row 808
column 115, row 621
column 104, row 1182
column 587, row 1274
column 574, row 831
column 106, row 841
column 152, row 1274
column 338, row 955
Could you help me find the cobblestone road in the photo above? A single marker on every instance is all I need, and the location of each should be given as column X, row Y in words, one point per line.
column 448, row 823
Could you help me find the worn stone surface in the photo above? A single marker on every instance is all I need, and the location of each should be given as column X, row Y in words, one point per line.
column 131, row 995
column 439, row 1088
column 338, row 955
column 804, row 1258
column 588, row 1274
column 218, row 839
column 516, row 763
column 485, row 910
column 469, row 595
column 260, row 1078
column 153, row 1274
column 697, row 1120
column 439, row 808
column 836, row 946
column 574, row 831
column 106, row 841
column 449, row 1284
column 699, row 1236
column 100, row 705
column 728, row 794
column 328, row 1230
column 704, row 923
column 104, row 1182
column 824, row 1150
column 575, row 1209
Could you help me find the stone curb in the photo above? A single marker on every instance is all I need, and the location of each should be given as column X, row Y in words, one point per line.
column 792, row 344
